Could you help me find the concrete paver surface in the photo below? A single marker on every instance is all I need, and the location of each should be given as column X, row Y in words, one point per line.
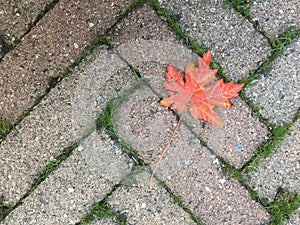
column 58, row 121
column 275, row 17
column 118, row 86
column 277, row 92
column 236, row 45
column 48, row 49
column 17, row 17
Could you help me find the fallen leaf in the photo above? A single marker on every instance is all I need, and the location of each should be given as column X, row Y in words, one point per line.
column 192, row 93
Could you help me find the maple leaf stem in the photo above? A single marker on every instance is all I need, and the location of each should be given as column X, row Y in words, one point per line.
column 165, row 150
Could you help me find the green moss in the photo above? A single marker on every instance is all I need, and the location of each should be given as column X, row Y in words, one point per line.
column 50, row 167
column 188, row 41
column 283, row 206
column 170, row 19
column 279, row 43
column 5, row 127
column 243, row 6
column 99, row 210
column 106, row 120
column 179, row 202
column 4, row 209
column 278, row 134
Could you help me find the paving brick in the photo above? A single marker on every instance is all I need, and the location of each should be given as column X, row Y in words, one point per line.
column 143, row 37
column 281, row 170
column 276, row 16
column 141, row 205
column 294, row 219
column 103, row 222
column 61, row 118
column 57, row 40
column 69, row 192
column 188, row 169
column 234, row 42
column 238, row 139
column 277, row 90
column 17, row 17
column 141, row 24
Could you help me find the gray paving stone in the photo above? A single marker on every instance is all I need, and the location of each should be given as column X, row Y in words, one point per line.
column 70, row 191
column 281, row 170
column 141, row 24
column 105, row 221
column 188, row 169
column 143, row 37
column 235, row 44
column 17, row 17
column 60, row 118
column 277, row 90
column 49, row 48
column 238, row 139
column 294, row 219
column 141, row 205
column 276, row 16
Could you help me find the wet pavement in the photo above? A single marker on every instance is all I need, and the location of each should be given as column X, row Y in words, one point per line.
column 81, row 85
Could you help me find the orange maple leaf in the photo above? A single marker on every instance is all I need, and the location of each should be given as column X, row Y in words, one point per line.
column 191, row 92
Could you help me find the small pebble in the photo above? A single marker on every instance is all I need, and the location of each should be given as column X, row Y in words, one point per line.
column 80, row 148
column 207, row 189
column 222, row 181
column 238, row 148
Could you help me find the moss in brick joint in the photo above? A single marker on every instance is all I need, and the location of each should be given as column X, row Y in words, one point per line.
column 179, row 202
column 4, row 209
column 242, row 6
column 100, row 210
column 189, row 42
column 282, row 207
column 278, row 133
column 49, row 168
column 5, row 127
column 106, row 120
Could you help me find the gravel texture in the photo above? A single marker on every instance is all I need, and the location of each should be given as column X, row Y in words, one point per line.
column 141, row 24
column 147, row 39
column 63, row 116
column 277, row 90
column 281, row 170
column 238, row 139
column 70, row 191
column 17, row 17
column 105, row 221
column 138, row 204
column 188, row 169
column 294, row 219
column 234, row 42
column 276, row 16
column 46, row 51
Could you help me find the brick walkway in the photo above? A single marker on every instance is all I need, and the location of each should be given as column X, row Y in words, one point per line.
column 81, row 126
